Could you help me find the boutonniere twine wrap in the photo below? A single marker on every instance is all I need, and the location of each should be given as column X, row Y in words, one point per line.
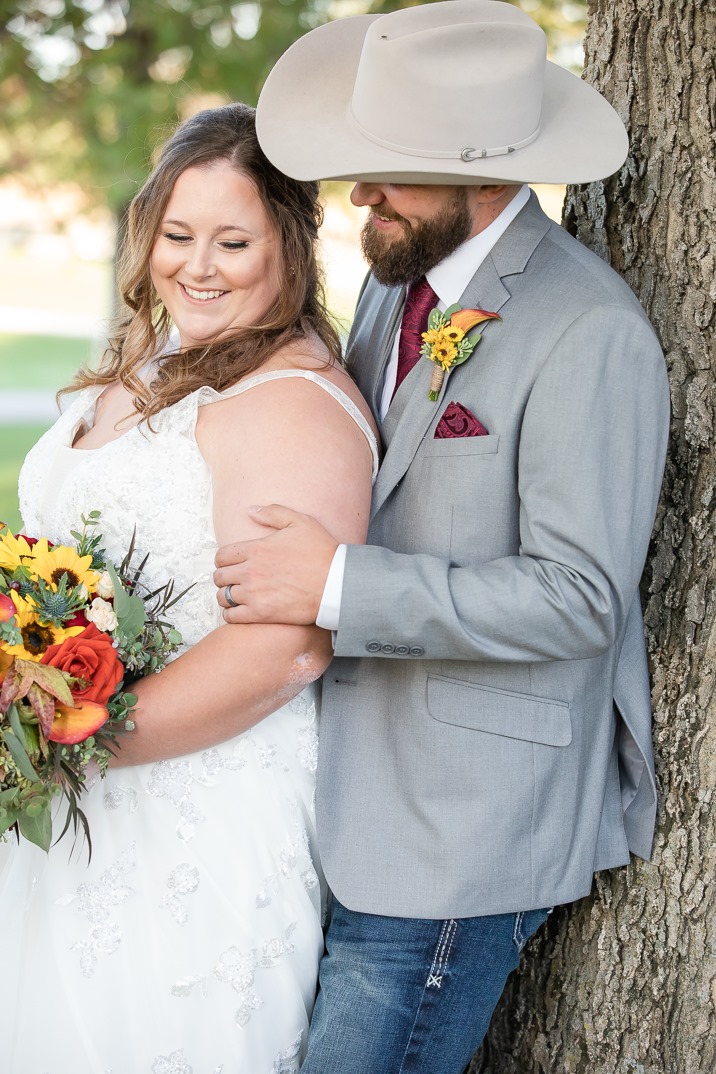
column 447, row 343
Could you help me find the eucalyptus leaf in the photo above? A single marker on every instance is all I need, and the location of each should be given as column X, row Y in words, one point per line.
column 129, row 610
column 7, row 821
column 19, row 755
column 460, row 359
column 14, row 717
column 38, row 828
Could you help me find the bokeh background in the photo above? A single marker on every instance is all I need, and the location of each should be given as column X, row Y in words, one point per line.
column 89, row 88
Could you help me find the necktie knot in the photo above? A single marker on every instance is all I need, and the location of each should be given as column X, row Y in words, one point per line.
column 418, row 304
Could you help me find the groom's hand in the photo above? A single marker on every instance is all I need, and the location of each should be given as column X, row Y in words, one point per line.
column 278, row 578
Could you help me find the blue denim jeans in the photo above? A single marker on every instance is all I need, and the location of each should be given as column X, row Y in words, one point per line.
column 410, row 996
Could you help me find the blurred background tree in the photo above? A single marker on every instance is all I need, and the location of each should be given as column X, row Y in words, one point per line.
column 91, row 86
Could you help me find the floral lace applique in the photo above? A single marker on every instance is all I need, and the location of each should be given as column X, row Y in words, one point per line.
column 96, row 901
column 296, row 854
column 216, row 760
column 184, row 880
column 307, row 751
column 238, row 969
column 175, row 1063
column 173, row 781
column 286, row 1062
column 115, row 797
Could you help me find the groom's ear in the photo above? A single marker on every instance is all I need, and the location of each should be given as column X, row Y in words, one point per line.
column 487, row 202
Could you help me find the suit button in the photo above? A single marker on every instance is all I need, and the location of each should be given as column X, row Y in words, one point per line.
column 401, row 650
column 387, row 648
column 373, row 646
column 417, row 650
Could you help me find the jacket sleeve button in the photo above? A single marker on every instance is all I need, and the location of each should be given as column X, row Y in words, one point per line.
column 387, row 648
column 417, row 650
column 373, row 646
column 401, row 650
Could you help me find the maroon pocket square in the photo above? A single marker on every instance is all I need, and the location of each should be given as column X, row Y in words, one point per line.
column 458, row 421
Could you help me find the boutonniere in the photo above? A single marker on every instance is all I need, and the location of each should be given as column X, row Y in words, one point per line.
column 447, row 343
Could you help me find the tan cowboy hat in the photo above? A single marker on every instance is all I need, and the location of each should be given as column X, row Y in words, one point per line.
column 453, row 92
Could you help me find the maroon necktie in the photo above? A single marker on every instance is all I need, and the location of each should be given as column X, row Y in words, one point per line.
column 421, row 299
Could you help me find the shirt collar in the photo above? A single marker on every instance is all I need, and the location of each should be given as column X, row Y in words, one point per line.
column 450, row 278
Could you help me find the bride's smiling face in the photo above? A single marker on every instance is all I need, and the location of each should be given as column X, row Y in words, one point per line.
column 214, row 258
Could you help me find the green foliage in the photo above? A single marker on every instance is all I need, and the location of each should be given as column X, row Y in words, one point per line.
column 15, row 442
column 41, row 362
column 90, row 86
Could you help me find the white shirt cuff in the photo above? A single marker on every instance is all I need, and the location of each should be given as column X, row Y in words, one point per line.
column 329, row 612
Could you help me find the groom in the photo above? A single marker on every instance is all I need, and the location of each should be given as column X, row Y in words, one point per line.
column 485, row 735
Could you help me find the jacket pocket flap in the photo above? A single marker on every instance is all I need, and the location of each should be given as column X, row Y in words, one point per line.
column 499, row 712
column 461, row 445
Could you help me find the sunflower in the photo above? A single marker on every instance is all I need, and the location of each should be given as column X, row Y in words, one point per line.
column 36, row 635
column 16, row 552
column 443, row 353
column 453, row 333
column 55, row 562
column 433, row 335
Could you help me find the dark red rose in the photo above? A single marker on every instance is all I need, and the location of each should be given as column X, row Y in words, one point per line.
column 32, row 540
column 92, row 657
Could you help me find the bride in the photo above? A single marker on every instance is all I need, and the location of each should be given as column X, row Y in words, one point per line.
column 190, row 943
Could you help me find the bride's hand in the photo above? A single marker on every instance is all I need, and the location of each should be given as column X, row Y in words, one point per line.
column 279, row 578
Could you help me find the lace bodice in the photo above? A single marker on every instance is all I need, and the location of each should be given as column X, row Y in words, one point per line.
column 154, row 481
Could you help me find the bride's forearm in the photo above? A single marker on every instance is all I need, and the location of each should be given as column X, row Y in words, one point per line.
column 225, row 684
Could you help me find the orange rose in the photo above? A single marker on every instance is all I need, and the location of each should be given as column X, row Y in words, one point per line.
column 92, row 657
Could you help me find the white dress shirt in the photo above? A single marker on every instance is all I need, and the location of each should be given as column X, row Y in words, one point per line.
column 448, row 280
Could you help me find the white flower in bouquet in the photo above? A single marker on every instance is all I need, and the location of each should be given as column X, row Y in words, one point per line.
column 102, row 615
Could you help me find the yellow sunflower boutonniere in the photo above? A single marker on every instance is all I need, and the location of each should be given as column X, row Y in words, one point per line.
column 447, row 343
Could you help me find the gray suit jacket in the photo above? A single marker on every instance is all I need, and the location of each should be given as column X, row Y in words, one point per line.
column 485, row 735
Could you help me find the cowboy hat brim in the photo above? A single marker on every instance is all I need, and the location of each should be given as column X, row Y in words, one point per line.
column 306, row 129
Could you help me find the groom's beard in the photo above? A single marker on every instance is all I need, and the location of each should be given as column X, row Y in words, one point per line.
column 421, row 247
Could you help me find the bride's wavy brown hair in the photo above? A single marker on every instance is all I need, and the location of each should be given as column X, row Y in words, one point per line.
column 143, row 328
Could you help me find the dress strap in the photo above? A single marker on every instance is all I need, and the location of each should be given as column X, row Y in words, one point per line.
column 308, row 374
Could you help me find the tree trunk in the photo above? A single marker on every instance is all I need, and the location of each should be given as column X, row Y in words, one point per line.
column 625, row 982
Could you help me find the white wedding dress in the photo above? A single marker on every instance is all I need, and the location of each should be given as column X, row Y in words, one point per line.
column 190, row 943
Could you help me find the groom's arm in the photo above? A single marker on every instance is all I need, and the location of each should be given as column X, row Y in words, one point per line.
column 590, row 462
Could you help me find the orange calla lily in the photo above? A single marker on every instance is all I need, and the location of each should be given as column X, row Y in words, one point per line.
column 73, row 725
column 467, row 319
column 5, row 662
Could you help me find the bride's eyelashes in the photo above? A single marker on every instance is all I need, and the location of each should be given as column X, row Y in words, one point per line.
column 226, row 244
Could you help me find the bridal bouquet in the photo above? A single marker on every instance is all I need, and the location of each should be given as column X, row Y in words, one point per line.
column 75, row 632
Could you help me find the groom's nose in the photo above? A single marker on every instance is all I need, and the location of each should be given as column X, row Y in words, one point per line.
column 367, row 194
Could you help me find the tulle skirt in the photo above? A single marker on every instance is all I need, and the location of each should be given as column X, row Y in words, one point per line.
column 190, row 942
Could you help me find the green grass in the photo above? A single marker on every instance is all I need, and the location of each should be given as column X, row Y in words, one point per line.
column 41, row 363
column 15, row 442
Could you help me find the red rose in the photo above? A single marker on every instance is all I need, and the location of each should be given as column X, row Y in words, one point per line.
column 78, row 619
column 90, row 656
column 32, row 541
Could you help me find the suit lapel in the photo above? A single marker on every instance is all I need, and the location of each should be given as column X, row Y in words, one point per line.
column 374, row 353
column 405, row 427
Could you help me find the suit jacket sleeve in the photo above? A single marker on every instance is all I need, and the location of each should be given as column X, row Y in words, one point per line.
column 590, row 461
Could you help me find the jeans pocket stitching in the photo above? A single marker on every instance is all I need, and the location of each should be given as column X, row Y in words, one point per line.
column 518, row 937
column 442, row 954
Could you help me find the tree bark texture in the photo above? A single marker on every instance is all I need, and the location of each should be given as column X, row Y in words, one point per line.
column 625, row 982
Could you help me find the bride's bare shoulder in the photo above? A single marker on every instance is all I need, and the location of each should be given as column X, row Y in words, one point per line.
column 312, row 354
